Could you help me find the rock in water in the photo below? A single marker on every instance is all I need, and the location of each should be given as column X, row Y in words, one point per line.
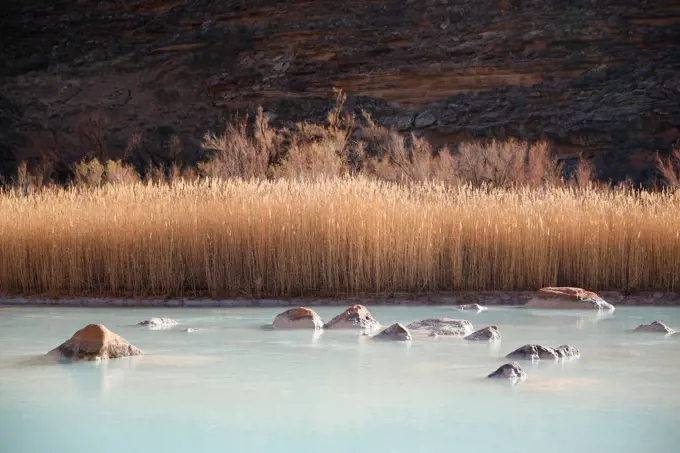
column 298, row 318
column 533, row 352
column 490, row 333
column 395, row 332
column 158, row 323
column 95, row 342
column 471, row 307
column 355, row 317
column 512, row 371
column 443, row 326
column 566, row 297
column 567, row 351
column 656, row 327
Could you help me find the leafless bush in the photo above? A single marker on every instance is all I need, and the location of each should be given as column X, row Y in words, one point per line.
column 314, row 159
column 584, row 173
column 506, row 164
column 235, row 154
column 669, row 168
column 91, row 132
column 89, row 173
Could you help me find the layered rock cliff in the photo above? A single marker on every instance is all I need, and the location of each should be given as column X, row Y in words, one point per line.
column 598, row 77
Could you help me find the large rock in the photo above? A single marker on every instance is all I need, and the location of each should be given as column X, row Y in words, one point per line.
column 566, row 297
column 655, row 327
column 298, row 318
column 443, row 326
column 512, row 371
column 158, row 323
column 395, row 332
column 95, row 342
column 425, row 119
column 471, row 307
column 533, row 352
column 490, row 333
column 355, row 317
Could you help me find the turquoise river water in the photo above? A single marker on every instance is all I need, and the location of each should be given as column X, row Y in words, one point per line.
column 233, row 387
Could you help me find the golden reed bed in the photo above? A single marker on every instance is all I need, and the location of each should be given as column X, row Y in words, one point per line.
column 332, row 237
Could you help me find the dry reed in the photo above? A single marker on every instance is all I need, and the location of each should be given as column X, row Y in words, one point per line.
column 332, row 237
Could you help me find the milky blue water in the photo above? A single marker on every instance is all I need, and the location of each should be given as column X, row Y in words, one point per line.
column 232, row 387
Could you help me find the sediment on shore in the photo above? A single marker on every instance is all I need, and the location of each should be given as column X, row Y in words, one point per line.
column 491, row 298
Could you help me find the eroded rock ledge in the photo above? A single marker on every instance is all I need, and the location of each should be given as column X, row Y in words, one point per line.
column 595, row 77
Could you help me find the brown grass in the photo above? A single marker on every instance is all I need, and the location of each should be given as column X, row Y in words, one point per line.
column 328, row 237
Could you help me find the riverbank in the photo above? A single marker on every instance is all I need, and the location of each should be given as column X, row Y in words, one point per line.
column 486, row 298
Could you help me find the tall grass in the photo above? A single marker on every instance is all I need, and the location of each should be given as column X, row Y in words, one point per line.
column 336, row 236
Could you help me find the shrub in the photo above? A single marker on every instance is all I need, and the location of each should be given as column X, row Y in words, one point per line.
column 235, row 154
column 669, row 168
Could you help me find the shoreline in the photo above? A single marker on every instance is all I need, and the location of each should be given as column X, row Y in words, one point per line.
column 488, row 298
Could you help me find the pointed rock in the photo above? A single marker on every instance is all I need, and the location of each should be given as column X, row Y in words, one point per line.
column 298, row 318
column 355, row 317
column 490, row 333
column 395, row 332
column 443, row 326
column 567, row 297
column 158, row 323
column 95, row 342
column 656, row 327
column 512, row 371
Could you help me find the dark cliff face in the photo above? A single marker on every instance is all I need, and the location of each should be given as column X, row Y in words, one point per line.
column 599, row 77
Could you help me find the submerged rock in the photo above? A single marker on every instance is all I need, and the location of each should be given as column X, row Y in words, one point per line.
column 567, row 297
column 298, row 318
column 511, row 371
column 655, row 327
column 395, row 332
column 533, row 352
column 490, row 333
column 443, row 326
column 471, row 307
column 355, row 317
column 158, row 323
column 95, row 342
column 567, row 351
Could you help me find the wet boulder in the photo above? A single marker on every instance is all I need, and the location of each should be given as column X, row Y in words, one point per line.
column 443, row 326
column 568, row 298
column 94, row 342
column 298, row 318
column 490, row 333
column 395, row 332
column 355, row 317
column 567, row 351
column 158, row 323
column 655, row 327
column 511, row 371
column 533, row 352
